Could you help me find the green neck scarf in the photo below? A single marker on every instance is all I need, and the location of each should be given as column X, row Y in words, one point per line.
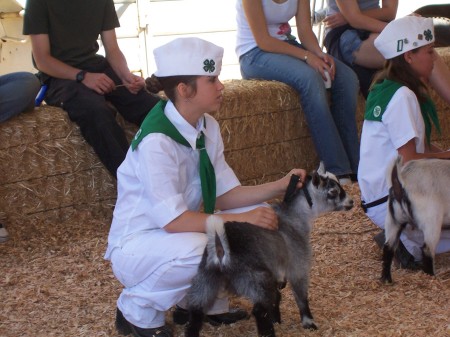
column 157, row 122
column 380, row 96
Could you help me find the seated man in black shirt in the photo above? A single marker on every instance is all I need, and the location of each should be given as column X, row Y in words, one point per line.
column 64, row 37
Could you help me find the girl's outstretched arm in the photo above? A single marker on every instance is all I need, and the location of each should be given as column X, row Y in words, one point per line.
column 241, row 196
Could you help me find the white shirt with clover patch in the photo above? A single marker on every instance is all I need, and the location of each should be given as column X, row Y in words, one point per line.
column 160, row 179
column 156, row 183
column 401, row 122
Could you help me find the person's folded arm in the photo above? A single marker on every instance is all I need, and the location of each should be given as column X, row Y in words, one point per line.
column 373, row 20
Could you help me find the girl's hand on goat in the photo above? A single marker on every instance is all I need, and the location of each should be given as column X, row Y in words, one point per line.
column 264, row 217
column 286, row 179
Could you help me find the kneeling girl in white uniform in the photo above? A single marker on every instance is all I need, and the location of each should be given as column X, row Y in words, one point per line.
column 399, row 119
column 175, row 164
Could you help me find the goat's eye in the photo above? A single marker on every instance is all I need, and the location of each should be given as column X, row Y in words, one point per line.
column 333, row 193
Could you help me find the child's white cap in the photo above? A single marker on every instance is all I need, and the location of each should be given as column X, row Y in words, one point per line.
column 405, row 34
column 188, row 56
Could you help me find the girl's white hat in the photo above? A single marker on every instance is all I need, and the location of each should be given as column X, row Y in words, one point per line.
column 188, row 56
column 404, row 34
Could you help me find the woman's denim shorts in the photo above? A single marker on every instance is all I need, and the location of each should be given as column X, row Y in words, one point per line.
column 349, row 43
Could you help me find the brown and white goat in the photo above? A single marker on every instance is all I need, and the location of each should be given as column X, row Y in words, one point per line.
column 256, row 263
column 420, row 197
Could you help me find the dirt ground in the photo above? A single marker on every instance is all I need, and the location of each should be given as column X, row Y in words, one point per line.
column 55, row 282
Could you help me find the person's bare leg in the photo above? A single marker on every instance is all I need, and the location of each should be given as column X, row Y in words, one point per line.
column 367, row 55
column 440, row 79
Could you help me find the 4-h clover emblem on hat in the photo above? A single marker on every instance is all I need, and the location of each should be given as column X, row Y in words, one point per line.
column 404, row 34
column 209, row 66
column 188, row 56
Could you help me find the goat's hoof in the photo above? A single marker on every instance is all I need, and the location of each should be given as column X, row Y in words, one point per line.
column 310, row 326
column 386, row 280
column 428, row 272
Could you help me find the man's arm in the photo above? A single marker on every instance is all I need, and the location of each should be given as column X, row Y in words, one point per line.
column 46, row 63
column 118, row 62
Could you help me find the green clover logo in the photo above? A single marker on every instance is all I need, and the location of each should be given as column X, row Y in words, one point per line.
column 428, row 35
column 377, row 111
column 209, row 65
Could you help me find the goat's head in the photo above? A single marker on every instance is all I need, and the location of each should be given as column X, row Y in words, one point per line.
column 326, row 192
column 321, row 193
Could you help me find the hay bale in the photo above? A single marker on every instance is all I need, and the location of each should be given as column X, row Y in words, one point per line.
column 49, row 171
column 442, row 108
column 48, row 167
column 264, row 130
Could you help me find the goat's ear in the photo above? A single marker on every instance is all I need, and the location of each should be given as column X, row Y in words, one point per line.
column 315, row 178
column 321, row 169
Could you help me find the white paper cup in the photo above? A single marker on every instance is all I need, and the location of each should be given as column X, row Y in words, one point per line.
column 328, row 80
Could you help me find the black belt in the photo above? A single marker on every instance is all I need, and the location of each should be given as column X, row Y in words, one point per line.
column 380, row 201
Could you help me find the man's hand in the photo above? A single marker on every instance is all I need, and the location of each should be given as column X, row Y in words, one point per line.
column 135, row 84
column 99, row 82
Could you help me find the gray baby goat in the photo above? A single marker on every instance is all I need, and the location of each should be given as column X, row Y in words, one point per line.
column 420, row 197
column 256, row 263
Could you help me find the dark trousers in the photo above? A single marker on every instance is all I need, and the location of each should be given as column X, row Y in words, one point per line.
column 96, row 117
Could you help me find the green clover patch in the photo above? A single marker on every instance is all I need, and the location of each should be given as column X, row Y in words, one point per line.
column 209, row 65
column 428, row 35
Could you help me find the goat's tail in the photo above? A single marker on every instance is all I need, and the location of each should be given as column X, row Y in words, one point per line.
column 397, row 191
column 398, row 194
column 217, row 247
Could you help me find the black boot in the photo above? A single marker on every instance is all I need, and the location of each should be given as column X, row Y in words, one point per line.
column 125, row 328
column 405, row 259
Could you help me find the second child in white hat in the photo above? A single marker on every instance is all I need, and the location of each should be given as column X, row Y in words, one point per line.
column 399, row 119
column 156, row 240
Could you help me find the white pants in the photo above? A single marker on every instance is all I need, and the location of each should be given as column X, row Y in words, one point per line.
column 412, row 239
column 156, row 269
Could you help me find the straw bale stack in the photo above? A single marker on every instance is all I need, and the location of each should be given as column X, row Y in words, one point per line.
column 48, row 169
column 442, row 108
column 49, row 172
column 264, row 130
